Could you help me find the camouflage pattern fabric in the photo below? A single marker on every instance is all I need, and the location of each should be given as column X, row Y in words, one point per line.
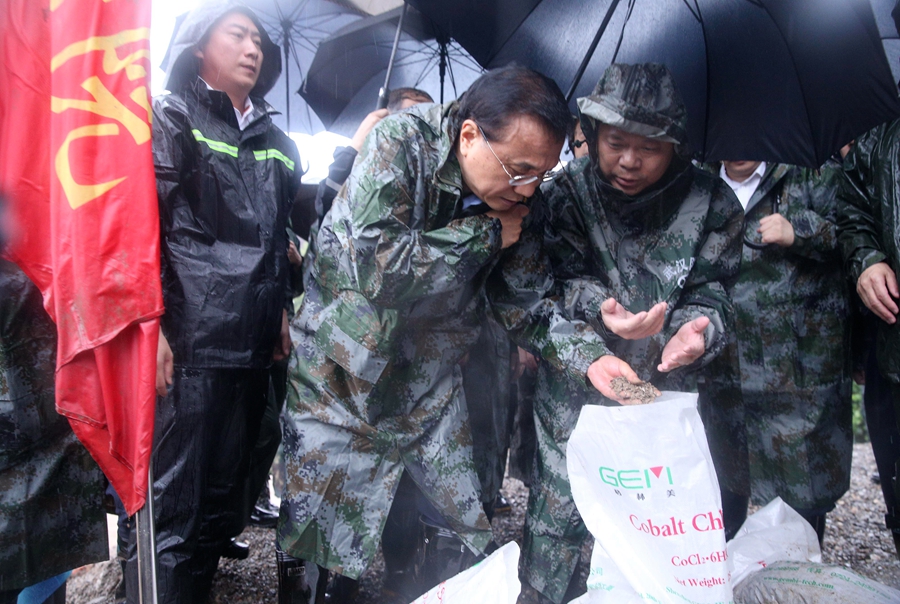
column 641, row 99
column 678, row 242
column 396, row 280
column 51, row 491
column 793, row 315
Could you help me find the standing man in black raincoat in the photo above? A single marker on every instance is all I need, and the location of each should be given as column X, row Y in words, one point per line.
column 226, row 178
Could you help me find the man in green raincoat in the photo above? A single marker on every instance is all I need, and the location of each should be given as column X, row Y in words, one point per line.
column 792, row 316
column 435, row 227
column 644, row 248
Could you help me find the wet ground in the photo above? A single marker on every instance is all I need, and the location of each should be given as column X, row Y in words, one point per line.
column 855, row 537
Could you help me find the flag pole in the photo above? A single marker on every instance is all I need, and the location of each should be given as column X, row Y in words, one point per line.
column 146, row 546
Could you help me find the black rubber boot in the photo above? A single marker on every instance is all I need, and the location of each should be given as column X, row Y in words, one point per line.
column 441, row 555
column 734, row 512
column 399, row 540
column 817, row 521
column 398, row 544
column 893, row 524
column 341, row 590
column 293, row 587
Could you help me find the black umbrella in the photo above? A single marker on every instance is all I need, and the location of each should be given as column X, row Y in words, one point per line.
column 887, row 29
column 777, row 80
column 298, row 27
column 343, row 82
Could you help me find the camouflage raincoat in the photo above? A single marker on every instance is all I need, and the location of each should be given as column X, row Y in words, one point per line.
column 51, row 491
column 676, row 242
column 793, row 316
column 397, row 284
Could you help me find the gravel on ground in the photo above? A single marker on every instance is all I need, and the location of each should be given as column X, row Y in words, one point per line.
column 855, row 537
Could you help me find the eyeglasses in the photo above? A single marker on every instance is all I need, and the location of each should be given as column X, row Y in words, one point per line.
column 524, row 179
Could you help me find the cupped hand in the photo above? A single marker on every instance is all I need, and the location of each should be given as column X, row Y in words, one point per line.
column 607, row 368
column 630, row 326
column 686, row 346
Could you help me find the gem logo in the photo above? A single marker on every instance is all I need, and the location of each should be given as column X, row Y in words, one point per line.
column 644, row 478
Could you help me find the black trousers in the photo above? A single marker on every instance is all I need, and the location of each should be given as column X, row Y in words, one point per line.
column 204, row 435
column 266, row 447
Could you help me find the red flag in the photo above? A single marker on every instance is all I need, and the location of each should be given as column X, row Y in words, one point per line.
column 76, row 165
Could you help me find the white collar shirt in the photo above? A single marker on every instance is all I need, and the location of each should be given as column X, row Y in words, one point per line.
column 744, row 190
column 244, row 118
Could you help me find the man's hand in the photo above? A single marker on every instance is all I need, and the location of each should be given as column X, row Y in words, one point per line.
column 510, row 223
column 165, row 367
column 294, row 256
column 877, row 286
column 632, row 327
column 521, row 360
column 283, row 348
column 776, row 229
column 366, row 126
column 686, row 346
column 604, row 370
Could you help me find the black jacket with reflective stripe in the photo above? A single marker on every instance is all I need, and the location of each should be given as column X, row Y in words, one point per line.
column 225, row 197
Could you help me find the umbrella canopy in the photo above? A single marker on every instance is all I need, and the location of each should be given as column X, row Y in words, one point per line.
column 349, row 67
column 298, row 27
column 887, row 29
column 777, row 80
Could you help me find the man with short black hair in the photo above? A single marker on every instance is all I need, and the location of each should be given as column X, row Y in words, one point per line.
column 432, row 223
column 226, row 179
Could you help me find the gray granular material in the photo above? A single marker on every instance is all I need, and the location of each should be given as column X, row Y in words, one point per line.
column 643, row 391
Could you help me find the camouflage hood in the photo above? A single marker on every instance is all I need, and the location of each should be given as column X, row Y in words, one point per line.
column 640, row 99
column 180, row 64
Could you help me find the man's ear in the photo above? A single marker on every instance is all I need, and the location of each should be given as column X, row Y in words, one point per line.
column 198, row 52
column 468, row 137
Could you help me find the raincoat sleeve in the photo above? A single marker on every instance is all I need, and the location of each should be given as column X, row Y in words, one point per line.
column 707, row 290
column 859, row 213
column 569, row 251
column 521, row 293
column 811, row 209
column 394, row 260
column 169, row 156
column 338, row 173
column 295, row 273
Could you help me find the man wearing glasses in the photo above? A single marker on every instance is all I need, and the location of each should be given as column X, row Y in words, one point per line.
column 435, row 228
column 644, row 247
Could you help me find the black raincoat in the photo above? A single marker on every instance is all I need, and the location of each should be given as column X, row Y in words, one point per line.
column 225, row 198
